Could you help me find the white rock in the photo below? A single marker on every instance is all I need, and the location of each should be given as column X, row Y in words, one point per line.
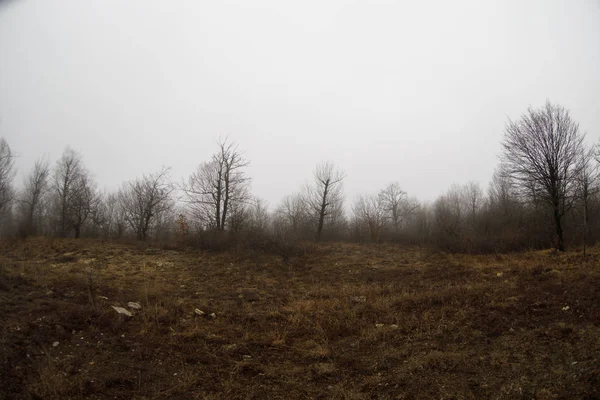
column 378, row 325
column 212, row 315
column 566, row 308
column 394, row 326
column 199, row 312
column 134, row 305
column 55, row 344
column 123, row 311
column 103, row 297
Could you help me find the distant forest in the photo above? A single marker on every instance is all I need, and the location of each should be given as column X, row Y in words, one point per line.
column 544, row 193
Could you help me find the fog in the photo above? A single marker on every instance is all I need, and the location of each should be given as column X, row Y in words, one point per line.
column 414, row 92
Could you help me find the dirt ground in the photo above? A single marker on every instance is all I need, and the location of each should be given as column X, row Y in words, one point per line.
column 345, row 322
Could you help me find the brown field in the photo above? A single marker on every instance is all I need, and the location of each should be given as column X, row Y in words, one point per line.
column 343, row 322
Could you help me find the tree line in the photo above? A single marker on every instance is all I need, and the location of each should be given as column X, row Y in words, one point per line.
column 544, row 193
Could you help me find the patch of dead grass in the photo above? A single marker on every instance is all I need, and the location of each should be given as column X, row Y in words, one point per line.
column 350, row 322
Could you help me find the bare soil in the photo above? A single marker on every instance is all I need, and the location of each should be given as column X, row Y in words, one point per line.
column 345, row 322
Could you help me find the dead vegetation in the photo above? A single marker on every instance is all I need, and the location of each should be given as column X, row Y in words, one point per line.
column 344, row 322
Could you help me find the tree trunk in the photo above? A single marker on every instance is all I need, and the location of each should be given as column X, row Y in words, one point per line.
column 560, row 245
column 585, row 224
column 322, row 211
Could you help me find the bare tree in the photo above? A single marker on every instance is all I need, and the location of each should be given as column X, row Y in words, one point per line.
column 587, row 186
column 75, row 192
column 369, row 211
column 115, row 216
column 541, row 153
column 238, row 215
column 258, row 217
column 7, row 173
column 218, row 186
column 396, row 204
column 448, row 214
column 83, row 201
column 291, row 216
column 98, row 217
column 473, row 197
column 325, row 196
column 501, row 192
column 33, row 197
column 145, row 200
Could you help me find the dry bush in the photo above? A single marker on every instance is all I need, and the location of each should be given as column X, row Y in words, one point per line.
column 247, row 244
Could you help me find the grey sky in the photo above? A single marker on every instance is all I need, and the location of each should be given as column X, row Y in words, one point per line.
column 416, row 92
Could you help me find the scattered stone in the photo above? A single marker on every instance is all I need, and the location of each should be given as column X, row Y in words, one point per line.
column 212, row 315
column 123, row 311
column 359, row 299
column 55, row 344
column 247, row 357
column 499, row 274
column 199, row 312
column 103, row 297
column 393, row 326
column 379, row 325
column 134, row 305
column 566, row 308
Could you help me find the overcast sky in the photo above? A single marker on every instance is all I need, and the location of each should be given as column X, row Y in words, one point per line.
column 411, row 91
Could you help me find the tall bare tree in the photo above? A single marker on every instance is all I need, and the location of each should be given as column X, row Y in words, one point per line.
column 218, row 186
column 396, row 204
column 325, row 196
column 144, row 200
column 541, row 153
column 7, row 173
column 33, row 197
column 75, row 192
column 587, row 186
column 83, row 201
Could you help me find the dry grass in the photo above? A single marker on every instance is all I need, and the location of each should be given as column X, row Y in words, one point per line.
column 348, row 322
